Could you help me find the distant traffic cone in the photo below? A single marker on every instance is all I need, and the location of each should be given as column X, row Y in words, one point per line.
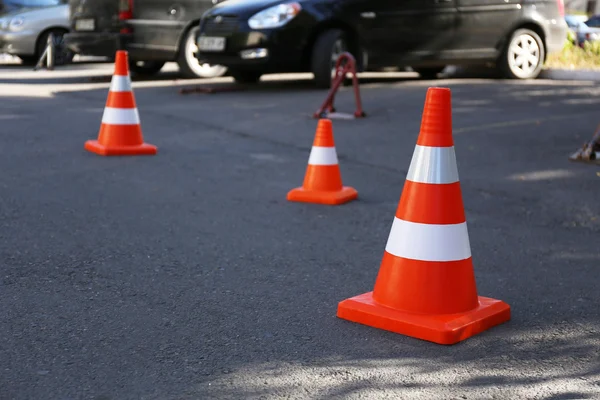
column 323, row 179
column 120, row 132
column 426, row 285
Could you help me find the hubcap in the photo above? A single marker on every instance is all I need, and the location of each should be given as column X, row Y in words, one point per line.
column 204, row 70
column 524, row 56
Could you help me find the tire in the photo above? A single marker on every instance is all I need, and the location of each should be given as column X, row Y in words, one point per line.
column 62, row 55
column 327, row 48
column 246, row 76
column 430, row 72
column 189, row 65
column 28, row 60
column 145, row 68
column 530, row 68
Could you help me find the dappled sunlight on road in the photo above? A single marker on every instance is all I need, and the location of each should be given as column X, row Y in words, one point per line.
column 524, row 370
column 542, row 175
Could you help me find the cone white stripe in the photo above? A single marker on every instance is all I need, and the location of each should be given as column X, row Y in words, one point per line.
column 120, row 84
column 435, row 165
column 120, row 116
column 323, row 156
column 429, row 242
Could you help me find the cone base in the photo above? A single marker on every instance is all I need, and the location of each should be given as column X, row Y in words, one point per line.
column 442, row 329
column 345, row 195
column 143, row 149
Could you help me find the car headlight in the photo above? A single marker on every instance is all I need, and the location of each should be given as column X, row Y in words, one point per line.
column 16, row 23
column 274, row 17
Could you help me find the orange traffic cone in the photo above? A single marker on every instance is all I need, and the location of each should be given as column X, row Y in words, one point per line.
column 426, row 285
column 323, row 179
column 120, row 132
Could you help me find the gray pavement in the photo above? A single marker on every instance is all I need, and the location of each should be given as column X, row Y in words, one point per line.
column 187, row 275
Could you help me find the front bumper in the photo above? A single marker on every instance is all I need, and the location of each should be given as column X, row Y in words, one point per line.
column 267, row 51
column 96, row 44
column 18, row 43
column 556, row 36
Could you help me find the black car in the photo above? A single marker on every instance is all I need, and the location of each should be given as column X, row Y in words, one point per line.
column 256, row 37
column 152, row 31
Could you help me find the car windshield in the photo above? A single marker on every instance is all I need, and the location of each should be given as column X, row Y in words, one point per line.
column 574, row 22
column 12, row 4
column 594, row 22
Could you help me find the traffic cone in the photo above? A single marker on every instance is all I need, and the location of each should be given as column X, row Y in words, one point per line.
column 120, row 132
column 426, row 285
column 323, row 179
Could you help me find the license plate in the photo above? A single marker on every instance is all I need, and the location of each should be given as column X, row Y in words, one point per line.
column 85, row 25
column 207, row 43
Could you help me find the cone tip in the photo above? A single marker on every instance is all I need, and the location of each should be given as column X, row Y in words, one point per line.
column 436, row 124
column 324, row 123
column 324, row 134
column 122, row 63
column 439, row 95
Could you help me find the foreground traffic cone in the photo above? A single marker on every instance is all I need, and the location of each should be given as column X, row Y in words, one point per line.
column 426, row 285
column 120, row 132
column 323, row 179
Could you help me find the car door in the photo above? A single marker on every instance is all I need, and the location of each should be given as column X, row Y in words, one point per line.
column 393, row 31
column 483, row 23
column 158, row 23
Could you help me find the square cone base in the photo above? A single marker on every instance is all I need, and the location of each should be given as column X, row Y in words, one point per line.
column 345, row 195
column 143, row 149
column 441, row 329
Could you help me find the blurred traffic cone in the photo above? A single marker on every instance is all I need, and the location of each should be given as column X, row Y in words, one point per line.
column 426, row 285
column 120, row 132
column 323, row 179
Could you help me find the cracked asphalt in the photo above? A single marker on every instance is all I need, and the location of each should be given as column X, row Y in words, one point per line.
column 187, row 275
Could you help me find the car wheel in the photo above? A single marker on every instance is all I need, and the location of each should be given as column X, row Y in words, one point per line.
column 28, row 60
column 145, row 68
column 523, row 56
column 326, row 51
column 429, row 73
column 62, row 54
column 246, row 76
column 189, row 65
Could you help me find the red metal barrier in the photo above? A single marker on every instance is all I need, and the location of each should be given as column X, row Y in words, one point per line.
column 345, row 64
column 590, row 152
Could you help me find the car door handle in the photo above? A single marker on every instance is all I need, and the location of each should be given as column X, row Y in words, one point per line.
column 442, row 1
column 174, row 10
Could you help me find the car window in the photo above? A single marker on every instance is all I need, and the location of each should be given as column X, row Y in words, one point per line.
column 33, row 3
column 593, row 22
column 571, row 22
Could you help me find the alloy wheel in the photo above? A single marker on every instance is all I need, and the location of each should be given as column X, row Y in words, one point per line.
column 524, row 56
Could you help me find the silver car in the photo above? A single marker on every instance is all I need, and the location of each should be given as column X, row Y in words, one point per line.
column 25, row 26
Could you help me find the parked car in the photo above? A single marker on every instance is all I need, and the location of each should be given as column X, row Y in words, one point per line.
column 581, row 32
column 256, row 37
column 593, row 32
column 153, row 33
column 25, row 26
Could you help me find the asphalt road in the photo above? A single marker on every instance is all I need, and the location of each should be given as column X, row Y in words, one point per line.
column 187, row 275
